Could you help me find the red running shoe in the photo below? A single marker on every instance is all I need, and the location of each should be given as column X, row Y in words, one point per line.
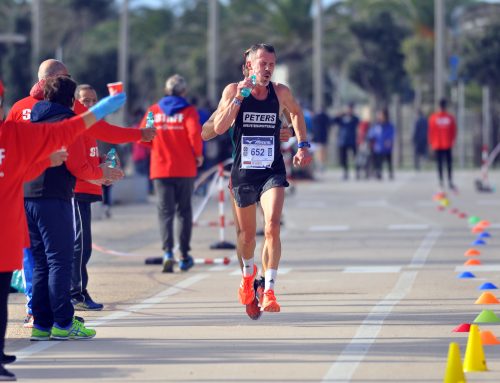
column 246, row 291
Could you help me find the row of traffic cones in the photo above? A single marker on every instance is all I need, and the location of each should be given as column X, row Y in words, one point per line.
column 474, row 359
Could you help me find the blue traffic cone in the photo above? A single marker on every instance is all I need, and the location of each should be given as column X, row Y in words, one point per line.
column 466, row 274
column 484, row 234
column 478, row 242
column 487, row 286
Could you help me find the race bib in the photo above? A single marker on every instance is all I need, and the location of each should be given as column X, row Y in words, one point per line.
column 257, row 152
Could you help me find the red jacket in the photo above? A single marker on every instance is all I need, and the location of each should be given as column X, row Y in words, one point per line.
column 177, row 143
column 37, row 142
column 77, row 162
column 442, row 131
column 21, row 111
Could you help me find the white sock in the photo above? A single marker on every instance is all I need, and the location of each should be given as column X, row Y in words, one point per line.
column 270, row 276
column 247, row 267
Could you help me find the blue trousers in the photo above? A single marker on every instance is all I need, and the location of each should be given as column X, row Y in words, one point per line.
column 52, row 236
column 82, row 249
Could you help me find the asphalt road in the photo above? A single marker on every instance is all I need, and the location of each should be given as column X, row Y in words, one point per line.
column 368, row 288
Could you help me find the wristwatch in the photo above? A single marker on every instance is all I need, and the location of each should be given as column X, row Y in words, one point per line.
column 304, row 144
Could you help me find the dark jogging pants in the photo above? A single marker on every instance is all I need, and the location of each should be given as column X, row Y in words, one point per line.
column 174, row 199
column 442, row 156
column 5, row 278
column 52, row 236
column 82, row 249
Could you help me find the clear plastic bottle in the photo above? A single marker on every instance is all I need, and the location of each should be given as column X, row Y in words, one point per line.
column 150, row 120
column 111, row 158
column 245, row 92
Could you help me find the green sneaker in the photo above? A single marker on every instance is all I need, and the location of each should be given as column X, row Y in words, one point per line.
column 37, row 334
column 76, row 331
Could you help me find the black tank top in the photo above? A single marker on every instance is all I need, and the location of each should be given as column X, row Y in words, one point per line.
column 256, row 141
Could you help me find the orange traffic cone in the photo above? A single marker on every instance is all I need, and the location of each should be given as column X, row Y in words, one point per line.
column 488, row 338
column 472, row 262
column 487, row 298
column 472, row 252
column 477, row 229
column 484, row 223
column 474, row 360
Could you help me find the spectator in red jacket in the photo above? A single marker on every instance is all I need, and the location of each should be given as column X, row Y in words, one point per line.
column 37, row 142
column 21, row 111
column 441, row 137
column 86, row 192
column 176, row 152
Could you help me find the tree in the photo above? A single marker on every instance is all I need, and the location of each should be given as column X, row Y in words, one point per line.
column 379, row 68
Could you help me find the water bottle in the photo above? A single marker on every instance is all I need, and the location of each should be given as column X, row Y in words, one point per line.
column 245, row 92
column 150, row 120
column 111, row 158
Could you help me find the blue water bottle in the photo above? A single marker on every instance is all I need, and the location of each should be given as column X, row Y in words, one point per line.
column 150, row 120
column 111, row 158
column 245, row 92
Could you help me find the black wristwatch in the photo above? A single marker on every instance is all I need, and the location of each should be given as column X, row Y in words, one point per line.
column 303, row 144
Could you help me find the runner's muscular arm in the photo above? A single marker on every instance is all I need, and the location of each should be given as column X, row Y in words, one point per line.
column 208, row 128
column 227, row 110
column 288, row 103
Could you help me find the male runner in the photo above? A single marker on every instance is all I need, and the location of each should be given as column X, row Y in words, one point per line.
column 258, row 172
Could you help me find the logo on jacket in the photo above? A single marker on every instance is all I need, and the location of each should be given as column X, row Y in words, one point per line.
column 169, row 122
column 2, row 155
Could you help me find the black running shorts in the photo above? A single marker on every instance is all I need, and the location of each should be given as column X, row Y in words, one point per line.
column 246, row 195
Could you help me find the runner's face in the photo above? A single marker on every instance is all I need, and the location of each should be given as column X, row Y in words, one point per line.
column 88, row 97
column 263, row 64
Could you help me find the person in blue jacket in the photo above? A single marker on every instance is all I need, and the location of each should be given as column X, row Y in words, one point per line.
column 381, row 137
column 347, row 134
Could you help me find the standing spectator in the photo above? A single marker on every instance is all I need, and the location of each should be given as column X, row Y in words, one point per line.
column 364, row 154
column 37, row 143
column 176, row 152
column 381, row 136
column 321, row 125
column 346, row 138
column 49, row 212
column 442, row 135
column 420, row 139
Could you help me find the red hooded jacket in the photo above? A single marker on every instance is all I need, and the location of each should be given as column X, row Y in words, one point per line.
column 177, row 143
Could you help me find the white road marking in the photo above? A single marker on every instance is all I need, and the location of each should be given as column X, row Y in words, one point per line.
column 408, row 227
column 372, row 269
column 353, row 354
column 477, row 268
column 145, row 304
column 420, row 256
column 344, row 367
column 329, row 228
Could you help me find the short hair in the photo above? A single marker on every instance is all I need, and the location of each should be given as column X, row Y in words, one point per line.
column 443, row 103
column 83, row 87
column 59, row 89
column 254, row 48
column 175, row 85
